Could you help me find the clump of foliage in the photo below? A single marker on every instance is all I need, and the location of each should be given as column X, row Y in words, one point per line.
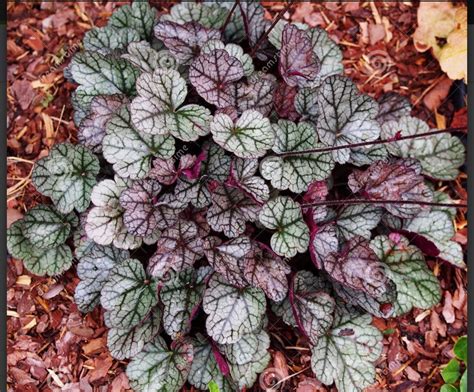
column 205, row 195
column 451, row 373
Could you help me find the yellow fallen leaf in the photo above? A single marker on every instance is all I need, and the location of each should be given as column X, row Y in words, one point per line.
column 24, row 280
column 12, row 313
column 30, row 325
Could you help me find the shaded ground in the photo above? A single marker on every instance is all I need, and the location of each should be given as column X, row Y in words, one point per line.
column 52, row 346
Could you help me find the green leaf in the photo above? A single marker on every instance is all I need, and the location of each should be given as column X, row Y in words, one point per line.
column 67, row 176
column 128, row 294
column 440, row 155
column 406, row 267
column 93, row 269
column 107, row 39
column 159, row 368
column 450, row 372
column 284, row 215
column 130, row 151
column 45, row 227
column 295, row 172
column 463, row 384
column 104, row 222
column 348, row 116
column 448, row 388
column 460, row 349
column 181, row 295
column 157, row 110
column 139, row 16
column 232, row 312
column 38, row 261
column 345, row 355
column 213, row 387
column 249, row 137
column 99, row 74
column 126, row 343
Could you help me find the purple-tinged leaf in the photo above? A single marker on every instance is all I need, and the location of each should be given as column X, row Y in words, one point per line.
column 212, row 75
column 265, row 269
column 228, row 258
column 284, row 101
column 358, row 267
column 298, row 65
column 312, row 308
column 138, row 202
column 395, row 180
column 234, row 50
column 165, row 172
column 392, row 107
column 230, row 210
column 177, row 248
column 92, row 128
column 323, row 241
column 207, row 14
column 184, row 41
column 256, row 94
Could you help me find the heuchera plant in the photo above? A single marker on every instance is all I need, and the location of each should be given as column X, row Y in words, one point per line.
column 227, row 170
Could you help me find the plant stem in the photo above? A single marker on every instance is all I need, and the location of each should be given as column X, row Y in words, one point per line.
column 265, row 35
column 229, row 15
column 372, row 143
column 369, row 201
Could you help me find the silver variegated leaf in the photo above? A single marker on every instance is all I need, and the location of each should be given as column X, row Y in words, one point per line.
column 266, row 270
column 243, row 174
column 345, row 355
column 228, row 258
column 230, row 210
column 405, row 265
column 67, row 176
column 91, row 130
column 306, row 103
column 104, row 222
column 205, row 367
column 158, row 108
column 139, row 16
column 181, row 296
column 348, row 116
column 361, row 156
column 440, row 155
column 324, row 240
column 38, row 261
column 299, row 171
column 178, row 248
column 328, row 53
column 248, row 137
column 256, row 94
column 128, row 295
column 108, row 39
column 131, row 151
column 128, row 342
column 358, row 220
column 284, row 215
column 93, row 269
column 207, row 14
column 147, row 59
column 159, row 368
column 185, row 41
column 100, row 74
column 46, row 228
column 232, row 312
column 245, row 366
column 212, row 75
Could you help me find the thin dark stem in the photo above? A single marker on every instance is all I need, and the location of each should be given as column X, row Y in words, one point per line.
column 372, row 143
column 229, row 15
column 369, row 201
column 265, row 35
